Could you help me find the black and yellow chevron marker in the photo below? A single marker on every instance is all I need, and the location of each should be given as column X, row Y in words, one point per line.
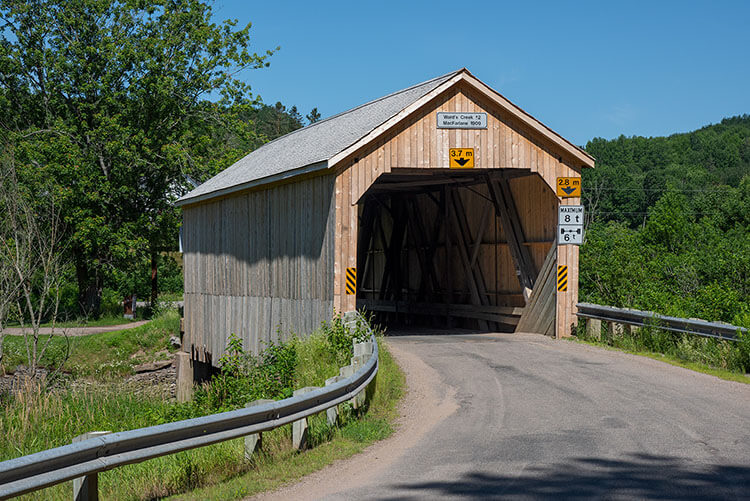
column 562, row 278
column 351, row 281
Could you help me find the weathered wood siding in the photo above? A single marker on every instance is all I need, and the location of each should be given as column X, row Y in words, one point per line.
column 417, row 143
column 258, row 264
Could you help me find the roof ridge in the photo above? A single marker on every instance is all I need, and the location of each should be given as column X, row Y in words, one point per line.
column 308, row 127
column 387, row 96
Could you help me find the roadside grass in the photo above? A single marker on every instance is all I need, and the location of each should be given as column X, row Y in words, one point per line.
column 103, row 321
column 104, row 356
column 280, row 465
column 724, row 359
column 171, row 296
column 37, row 419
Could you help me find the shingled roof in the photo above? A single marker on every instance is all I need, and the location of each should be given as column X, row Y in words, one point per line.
column 311, row 147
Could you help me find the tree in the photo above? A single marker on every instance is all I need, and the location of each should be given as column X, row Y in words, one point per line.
column 313, row 116
column 8, row 283
column 31, row 259
column 274, row 121
column 111, row 100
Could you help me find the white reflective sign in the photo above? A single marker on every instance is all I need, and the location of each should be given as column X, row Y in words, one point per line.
column 570, row 214
column 570, row 234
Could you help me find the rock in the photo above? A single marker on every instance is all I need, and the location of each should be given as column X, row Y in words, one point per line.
column 175, row 342
column 152, row 366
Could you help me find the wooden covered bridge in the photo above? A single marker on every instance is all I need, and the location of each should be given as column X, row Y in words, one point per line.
column 434, row 205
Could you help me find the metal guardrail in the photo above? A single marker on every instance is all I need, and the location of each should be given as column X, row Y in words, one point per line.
column 53, row 466
column 717, row 330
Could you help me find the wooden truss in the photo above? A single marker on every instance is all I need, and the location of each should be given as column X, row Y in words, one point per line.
column 392, row 220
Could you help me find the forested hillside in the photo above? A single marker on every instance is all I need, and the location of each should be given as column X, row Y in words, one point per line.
column 669, row 223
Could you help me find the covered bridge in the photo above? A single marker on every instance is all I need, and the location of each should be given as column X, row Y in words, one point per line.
column 434, row 205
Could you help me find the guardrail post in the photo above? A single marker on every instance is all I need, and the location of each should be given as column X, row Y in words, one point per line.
column 359, row 399
column 616, row 330
column 364, row 348
column 299, row 427
column 594, row 328
column 184, row 377
column 347, row 371
column 86, row 488
column 332, row 413
column 254, row 441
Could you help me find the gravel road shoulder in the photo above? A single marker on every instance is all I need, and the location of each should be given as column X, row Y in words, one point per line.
column 426, row 403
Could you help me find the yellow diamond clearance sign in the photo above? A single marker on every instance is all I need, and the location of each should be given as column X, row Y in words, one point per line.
column 461, row 158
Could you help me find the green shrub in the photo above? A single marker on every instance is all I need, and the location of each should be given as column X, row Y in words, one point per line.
column 729, row 355
column 340, row 338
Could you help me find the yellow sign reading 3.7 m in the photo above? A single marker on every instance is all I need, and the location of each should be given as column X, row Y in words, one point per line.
column 461, row 158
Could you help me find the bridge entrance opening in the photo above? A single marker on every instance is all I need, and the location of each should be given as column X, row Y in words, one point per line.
column 454, row 248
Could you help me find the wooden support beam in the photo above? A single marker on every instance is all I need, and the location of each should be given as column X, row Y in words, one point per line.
column 518, row 230
column 502, row 199
column 539, row 314
column 417, row 241
column 476, row 287
column 366, row 239
column 447, row 264
column 439, row 223
column 425, row 251
column 391, row 285
column 500, row 314
column 384, row 241
column 464, row 238
column 480, row 235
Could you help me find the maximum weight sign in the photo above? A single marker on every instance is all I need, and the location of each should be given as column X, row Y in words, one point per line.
column 570, row 225
column 570, row 214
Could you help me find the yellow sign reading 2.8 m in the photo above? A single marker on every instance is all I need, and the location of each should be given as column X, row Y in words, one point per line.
column 568, row 187
column 461, row 158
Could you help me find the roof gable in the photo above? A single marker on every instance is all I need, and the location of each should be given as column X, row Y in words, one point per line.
column 330, row 141
column 311, row 147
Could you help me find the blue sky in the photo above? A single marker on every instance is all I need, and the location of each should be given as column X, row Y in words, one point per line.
column 585, row 69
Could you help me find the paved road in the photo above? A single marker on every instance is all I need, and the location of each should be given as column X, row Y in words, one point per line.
column 539, row 418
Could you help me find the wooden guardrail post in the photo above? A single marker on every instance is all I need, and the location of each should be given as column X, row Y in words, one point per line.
column 184, row 376
column 347, row 371
column 299, row 427
column 332, row 413
column 363, row 348
column 615, row 330
column 359, row 399
column 254, row 441
column 86, row 488
column 594, row 328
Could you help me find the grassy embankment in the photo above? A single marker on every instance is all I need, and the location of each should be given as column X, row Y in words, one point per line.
column 724, row 359
column 103, row 356
column 36, row 419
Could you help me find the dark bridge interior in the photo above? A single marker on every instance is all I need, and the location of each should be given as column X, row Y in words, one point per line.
column 452, row 248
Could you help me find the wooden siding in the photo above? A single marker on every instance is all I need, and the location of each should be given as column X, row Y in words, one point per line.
column 257, row 263
column 417, row 143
